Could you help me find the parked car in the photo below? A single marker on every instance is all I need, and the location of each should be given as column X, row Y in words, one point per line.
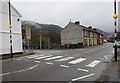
column 118, row 44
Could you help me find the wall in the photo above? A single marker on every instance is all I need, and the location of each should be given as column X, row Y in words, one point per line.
column 5, row 31
column 71, row 34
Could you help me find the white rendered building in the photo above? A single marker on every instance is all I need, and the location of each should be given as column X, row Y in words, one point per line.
column 5, row 30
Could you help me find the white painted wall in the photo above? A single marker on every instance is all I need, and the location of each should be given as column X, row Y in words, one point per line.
column 4, row 30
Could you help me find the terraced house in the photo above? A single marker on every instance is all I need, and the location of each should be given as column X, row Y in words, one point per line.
column 79, row 36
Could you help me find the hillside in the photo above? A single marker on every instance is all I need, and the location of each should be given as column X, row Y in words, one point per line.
column 50, row 34
column 43, row 27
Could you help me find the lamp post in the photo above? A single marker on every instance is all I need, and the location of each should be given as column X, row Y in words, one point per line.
column 10, row 26
column 115, row 16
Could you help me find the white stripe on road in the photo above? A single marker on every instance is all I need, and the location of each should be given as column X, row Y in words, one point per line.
column 106, row 57
column 32, row 67
column 37, row 61
column 18, row 71
column 42, row 57
column 64, row 66
column 30, row 56
column 83, row 77
column 83, row 70
column 77, row 61
column 4, row 74
column 53, row 58
column 64, row 59
column 93, row 64
column 34, row 56
column 18, row 59
column 49, row 63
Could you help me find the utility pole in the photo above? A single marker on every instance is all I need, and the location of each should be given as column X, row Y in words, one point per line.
column 40, row 40
column 48, row 43
column 115, row 24
column 10, row 26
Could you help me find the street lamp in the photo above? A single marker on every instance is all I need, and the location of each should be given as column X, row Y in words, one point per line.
column 10, row 26
column 115, row 16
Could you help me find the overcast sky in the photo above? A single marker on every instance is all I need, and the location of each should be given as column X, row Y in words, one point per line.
column 97, row 14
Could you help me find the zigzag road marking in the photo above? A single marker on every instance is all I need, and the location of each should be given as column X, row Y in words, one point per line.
column 79, row 78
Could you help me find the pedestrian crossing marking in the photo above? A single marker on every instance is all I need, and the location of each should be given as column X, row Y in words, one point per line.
column 37, row 61
column 53, row 58
column 42, row 57
column 93, row 64
column 64, row 66
column 83, row 70
column 77, row 61
column 49, row 63
column 34, row 56
column 64, row 59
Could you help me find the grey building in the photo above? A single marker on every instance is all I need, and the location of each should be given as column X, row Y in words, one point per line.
column 77, row 35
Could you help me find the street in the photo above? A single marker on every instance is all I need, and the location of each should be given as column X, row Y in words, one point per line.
column 85, row 64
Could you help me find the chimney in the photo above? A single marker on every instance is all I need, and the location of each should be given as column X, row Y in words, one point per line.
column 90, row 27
column 77, row 22
column 94, row 29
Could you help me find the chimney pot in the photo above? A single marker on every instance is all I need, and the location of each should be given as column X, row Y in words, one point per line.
column 77, row 22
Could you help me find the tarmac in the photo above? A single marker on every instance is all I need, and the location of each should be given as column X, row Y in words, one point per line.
column 112, row 72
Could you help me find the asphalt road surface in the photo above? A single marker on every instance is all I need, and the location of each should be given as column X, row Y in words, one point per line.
column 84, row 64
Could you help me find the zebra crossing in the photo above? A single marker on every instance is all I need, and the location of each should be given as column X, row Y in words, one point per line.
column 57, row 58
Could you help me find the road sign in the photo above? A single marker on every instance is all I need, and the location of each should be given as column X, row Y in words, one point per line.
column 28, row 33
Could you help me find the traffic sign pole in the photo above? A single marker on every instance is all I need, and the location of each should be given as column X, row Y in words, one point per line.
column 10, row 26
column 115, row 16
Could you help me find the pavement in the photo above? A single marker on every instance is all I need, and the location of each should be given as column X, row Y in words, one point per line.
column 112, row 72
column 73, row 65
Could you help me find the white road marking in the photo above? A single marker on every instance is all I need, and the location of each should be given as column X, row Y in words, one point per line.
column 42, row 57
column 106, row 57
column 93, row 64
column 34, row 56
column 18, row 71
column 4, row 74
column 19, row 59
column 53, row 58
column 83, row 70
column 64, row 59
column 30, row 56
column 22, row 57
column 49, row 63
column 77, row 61
column 37, row 61
column 83, row 77
column 64, row 66
column 32, row 67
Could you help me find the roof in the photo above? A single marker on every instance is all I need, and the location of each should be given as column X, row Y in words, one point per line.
column 15, row 9
column 84, row 28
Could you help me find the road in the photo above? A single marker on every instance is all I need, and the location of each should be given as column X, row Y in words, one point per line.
column 84, row 64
